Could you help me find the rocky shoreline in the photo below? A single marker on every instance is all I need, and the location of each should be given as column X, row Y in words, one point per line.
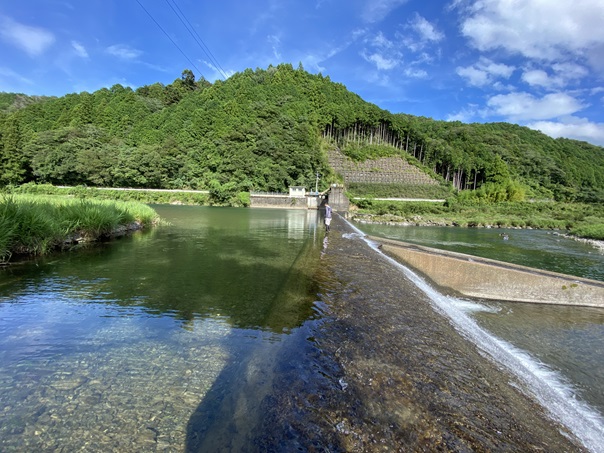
column 119, row 231
column 370, row 219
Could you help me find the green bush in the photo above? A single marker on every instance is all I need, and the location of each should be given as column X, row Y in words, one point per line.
column 594, row 231
column 150, row 196
column 243, row 199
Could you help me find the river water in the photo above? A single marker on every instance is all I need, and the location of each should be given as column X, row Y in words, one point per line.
column 173, row 339
column 114, row 347
column 564, row 342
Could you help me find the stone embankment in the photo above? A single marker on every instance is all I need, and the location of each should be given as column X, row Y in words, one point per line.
column 384, row 170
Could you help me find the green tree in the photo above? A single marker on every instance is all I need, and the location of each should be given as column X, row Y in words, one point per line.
column 13, row 163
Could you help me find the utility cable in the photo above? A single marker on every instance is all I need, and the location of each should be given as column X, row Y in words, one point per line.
column 168, row 36
column 202, row 45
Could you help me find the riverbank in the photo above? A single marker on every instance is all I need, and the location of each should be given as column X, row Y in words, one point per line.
column 38, row 224
column 578, row 219
column 389, row 372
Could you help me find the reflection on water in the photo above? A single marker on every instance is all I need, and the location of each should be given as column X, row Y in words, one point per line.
column 534, row 248
column 113, row 348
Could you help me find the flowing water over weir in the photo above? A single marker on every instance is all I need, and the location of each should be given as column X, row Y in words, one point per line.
column 251, row 330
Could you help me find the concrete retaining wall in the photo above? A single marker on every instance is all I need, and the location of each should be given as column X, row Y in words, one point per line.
column 489, row 279
column 282, row 201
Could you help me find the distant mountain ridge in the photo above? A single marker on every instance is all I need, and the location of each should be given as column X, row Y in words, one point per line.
column 267, row 129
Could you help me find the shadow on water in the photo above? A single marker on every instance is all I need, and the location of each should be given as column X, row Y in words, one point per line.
column 238, row 412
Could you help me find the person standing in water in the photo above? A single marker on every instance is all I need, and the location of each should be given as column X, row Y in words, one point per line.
column 327, row 216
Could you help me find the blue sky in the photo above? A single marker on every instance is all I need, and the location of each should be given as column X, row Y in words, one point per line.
column 538, row 63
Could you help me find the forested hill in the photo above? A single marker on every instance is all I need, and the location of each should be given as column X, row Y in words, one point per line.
column 265, row 130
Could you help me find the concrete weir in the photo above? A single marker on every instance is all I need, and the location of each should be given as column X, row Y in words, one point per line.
column 490, row 279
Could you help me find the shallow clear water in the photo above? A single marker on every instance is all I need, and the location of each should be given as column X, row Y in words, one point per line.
column 566, row 340
column 114, row 348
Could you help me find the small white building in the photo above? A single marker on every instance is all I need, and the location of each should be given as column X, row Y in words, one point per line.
column 297, row 191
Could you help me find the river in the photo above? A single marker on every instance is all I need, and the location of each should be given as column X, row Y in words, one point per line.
column 113, row 347
column 210, row 333
column 564, row 342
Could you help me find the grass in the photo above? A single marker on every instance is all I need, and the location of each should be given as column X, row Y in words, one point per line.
column 150, row 196
column 579, row 219
column 375, row 190
column 37, row 224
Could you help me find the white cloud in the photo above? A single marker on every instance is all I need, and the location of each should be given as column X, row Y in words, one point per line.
column 422, row 35
column 275, row 41
column 474, row 76
column 124, row 52
column 377, row 10
column 80, row 50
column 538, row 77
column 376, row 78
column 572, row 127
column 570, row 71
column 485, row 72
column 537, row 29
column 381, row 62
column 414, row 73
column 382, row 52
column 562, row 75
column 525, row 106
column 313, row 60
column 33, row 40
column 381, row 41
column 465, row 115
column 425, row 29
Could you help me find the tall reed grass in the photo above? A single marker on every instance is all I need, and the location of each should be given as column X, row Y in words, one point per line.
column 36, row 224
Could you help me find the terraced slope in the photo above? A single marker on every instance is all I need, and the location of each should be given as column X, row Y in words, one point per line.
column 385, row 170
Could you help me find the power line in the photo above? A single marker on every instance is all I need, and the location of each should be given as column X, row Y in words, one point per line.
column 168, row 36
column 202, row 45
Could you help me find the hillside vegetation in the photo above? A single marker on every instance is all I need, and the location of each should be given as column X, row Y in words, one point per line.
column 266, row 129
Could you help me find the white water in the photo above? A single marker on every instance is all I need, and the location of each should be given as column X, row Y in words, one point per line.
column 545, row 385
